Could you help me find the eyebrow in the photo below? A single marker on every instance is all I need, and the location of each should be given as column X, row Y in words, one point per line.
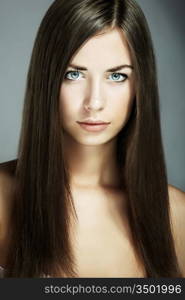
column 114, row 69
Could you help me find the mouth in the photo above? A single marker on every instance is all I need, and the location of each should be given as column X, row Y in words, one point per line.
column 93, row 122
column 93, row 127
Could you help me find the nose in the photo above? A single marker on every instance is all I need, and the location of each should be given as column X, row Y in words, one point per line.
column 94, row 98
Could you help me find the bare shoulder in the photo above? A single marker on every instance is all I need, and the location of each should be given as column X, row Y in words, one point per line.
column 6, row 189
column 177, row 202
column 177, row 214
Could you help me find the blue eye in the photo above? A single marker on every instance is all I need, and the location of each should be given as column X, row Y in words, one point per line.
column 72, row 75
column 119, row 77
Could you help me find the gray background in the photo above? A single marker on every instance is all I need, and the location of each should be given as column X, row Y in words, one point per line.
column 19, row 21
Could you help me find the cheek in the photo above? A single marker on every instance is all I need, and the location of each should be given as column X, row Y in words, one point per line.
column 121, row 104
column 69, row 102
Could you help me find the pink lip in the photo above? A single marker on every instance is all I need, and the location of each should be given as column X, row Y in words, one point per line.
column 89, row 123
column 93, row 122
column 93, row 127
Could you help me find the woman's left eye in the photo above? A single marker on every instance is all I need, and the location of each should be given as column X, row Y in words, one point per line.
column 119, row 77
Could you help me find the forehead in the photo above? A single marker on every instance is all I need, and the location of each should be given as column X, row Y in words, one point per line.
column 104, row 49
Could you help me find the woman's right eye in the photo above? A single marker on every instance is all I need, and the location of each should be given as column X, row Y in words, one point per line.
column 72, row 75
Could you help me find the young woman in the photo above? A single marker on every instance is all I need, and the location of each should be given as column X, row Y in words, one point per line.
column 88, row 194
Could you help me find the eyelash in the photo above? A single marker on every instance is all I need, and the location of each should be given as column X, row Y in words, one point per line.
column 117, row 81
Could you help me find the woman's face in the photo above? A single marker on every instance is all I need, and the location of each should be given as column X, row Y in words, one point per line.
column 91, row 90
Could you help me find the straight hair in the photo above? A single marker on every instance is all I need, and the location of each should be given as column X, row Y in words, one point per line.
column 43, row 208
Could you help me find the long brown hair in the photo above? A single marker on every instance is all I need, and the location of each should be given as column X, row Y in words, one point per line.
column 43, row 205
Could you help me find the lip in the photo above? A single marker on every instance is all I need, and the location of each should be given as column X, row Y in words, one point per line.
column 95, row 127
column 91, row 121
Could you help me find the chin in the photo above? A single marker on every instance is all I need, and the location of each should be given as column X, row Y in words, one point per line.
column 92, row 140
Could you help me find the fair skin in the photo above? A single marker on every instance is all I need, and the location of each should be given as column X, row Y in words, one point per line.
column 109, row 97
column 99, row 201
